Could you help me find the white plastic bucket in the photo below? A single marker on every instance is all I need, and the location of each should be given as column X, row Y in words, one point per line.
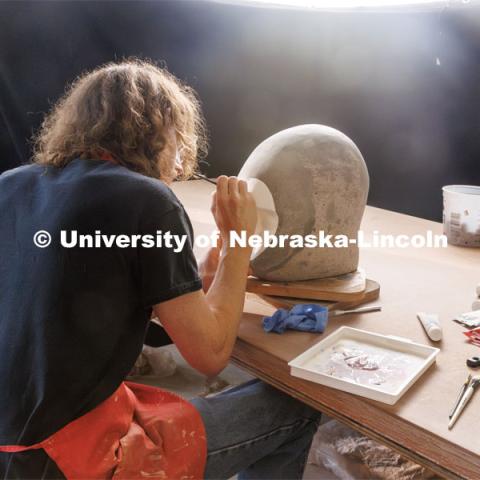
column 461, row 215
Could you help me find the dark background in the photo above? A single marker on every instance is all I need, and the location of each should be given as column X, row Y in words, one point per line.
column 404, row 86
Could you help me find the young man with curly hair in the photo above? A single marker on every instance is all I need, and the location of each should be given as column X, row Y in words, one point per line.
column 73, row 320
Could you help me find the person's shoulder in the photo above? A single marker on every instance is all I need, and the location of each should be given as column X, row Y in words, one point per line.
column 21, row 171
column 19, row 178
column 148, row 193
column 121, row 184
column 151, row 191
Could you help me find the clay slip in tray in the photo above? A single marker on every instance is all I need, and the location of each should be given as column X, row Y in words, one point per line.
column 379, row 367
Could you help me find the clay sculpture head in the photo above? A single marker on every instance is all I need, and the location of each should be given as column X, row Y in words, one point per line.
column 318, row 180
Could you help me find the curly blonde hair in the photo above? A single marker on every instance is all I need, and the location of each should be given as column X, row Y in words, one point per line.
column 123, row 110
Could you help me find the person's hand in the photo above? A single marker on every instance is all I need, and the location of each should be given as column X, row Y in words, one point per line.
column 233, row 207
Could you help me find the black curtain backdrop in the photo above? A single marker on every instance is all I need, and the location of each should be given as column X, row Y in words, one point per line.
column 404, row 86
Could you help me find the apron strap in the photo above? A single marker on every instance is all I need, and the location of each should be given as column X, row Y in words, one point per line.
column 19, row 448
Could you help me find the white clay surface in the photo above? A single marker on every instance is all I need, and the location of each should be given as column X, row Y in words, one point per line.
column 267, row 218
column 366, row 364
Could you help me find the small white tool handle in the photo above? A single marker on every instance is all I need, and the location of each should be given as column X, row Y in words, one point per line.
column 463, row 402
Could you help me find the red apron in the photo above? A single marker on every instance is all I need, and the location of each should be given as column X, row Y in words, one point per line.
column 138, row 432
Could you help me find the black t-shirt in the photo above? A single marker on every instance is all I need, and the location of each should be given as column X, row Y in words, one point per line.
column 73, row 320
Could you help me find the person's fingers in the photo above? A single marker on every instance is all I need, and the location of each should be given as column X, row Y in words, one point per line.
column 233, row 186
column 222, row 188
column 242, row 187
column 251, row 199
column 213, row 204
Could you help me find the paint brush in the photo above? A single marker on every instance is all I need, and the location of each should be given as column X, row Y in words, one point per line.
column 460, row 395
column 474, row 383
column 200, row 176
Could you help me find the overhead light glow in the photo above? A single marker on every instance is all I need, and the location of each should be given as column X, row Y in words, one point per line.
column 345, row 4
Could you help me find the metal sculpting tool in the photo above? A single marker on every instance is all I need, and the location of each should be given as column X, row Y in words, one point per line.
column 465, row 399
column 460, row 395
column 373, row 308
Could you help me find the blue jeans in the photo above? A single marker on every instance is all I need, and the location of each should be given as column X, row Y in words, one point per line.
column 252, row 429
column 256, row 431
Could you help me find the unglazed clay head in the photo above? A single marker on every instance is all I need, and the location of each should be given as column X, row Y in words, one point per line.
column 318, row 180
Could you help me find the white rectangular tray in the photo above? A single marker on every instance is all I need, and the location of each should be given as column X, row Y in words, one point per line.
column 424, row 357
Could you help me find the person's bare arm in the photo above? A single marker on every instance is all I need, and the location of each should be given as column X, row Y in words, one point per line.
column 204, row 327
column 207, row 267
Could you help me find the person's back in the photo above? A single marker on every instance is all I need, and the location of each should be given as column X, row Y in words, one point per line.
column 78, row 312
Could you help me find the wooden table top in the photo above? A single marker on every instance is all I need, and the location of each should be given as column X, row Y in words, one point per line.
column 433, row 280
